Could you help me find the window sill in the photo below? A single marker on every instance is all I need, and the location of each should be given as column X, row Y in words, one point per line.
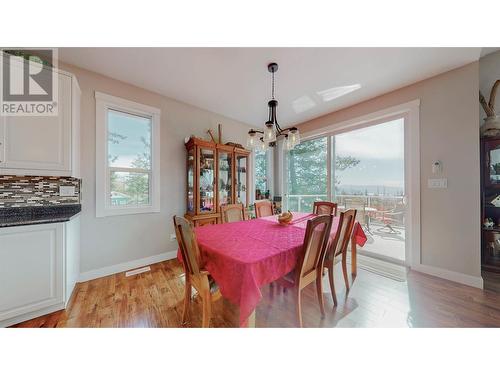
column 127, row 211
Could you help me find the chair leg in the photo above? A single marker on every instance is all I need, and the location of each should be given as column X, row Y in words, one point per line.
column 332, row 284
column 319, row 289
column 344, row 271
column 207, row 309
column 187, row 301
column 299, row 308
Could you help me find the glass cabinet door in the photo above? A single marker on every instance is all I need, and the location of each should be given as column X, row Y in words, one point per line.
column 190, row 180
column 241, row 168
column 207, row 180
column 225, row 176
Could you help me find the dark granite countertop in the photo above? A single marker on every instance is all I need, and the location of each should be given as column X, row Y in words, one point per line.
column 15, row 216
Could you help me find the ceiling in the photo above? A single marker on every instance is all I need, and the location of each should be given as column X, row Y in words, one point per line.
column 234, row 82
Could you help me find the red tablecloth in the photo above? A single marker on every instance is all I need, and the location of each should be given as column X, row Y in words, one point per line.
column 245, row 255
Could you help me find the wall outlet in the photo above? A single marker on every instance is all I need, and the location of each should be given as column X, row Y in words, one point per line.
column 173, row 237
column 66, row 191
column 437, row 183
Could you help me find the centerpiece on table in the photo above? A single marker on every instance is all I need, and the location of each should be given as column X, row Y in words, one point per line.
column 285, row 218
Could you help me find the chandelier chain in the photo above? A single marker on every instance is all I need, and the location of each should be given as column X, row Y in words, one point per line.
column 273, row 86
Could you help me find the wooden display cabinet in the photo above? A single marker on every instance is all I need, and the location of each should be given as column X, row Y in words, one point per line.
column 216, row 174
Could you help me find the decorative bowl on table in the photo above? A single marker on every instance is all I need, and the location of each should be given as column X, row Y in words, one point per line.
column 285, row 218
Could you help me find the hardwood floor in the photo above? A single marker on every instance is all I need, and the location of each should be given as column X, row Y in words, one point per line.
column 154, row 299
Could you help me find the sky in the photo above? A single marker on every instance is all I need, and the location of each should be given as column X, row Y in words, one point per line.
column 380, row 149
column 133, row 128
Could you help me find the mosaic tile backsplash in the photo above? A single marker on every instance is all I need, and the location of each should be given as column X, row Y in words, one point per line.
column 26, row 191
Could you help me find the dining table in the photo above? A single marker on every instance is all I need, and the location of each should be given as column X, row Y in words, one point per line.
column 243, row 256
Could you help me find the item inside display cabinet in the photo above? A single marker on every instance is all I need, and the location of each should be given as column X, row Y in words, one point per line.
column 493, row 245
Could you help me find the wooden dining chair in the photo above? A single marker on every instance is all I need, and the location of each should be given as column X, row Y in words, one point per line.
column 337, row 250
column 263, row 208
column 232, row 212
column 360, row 207
column 196, row 277
column 309, row 267
column 325, row 208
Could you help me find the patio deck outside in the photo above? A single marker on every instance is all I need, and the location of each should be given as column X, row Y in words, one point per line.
column 382, row 218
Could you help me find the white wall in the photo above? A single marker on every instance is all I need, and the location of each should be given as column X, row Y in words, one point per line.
column 113, row 240
column 449, row 132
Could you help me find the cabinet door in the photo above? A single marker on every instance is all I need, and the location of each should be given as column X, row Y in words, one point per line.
column 225, row 177
column 191, row 168
column 31, row 269
column 40, row 143
column 206, row 180
column 241, row 178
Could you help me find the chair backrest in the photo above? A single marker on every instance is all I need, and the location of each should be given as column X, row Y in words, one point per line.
column 188, row 245
column 232, row 212
column 325, row 208
column 314, row 247
column 343, row 235
column 263, row 208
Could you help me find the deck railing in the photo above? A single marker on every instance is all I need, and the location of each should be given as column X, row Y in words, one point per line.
column 380, row 203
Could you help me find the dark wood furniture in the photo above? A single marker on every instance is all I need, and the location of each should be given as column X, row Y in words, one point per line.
column 490, row 189
column 310, row 264
column 325, row 208
column 196, row 277
column 217, row 174
column 337, row 249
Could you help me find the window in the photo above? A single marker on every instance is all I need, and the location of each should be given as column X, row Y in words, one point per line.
column 262, row 185
column 307, row 174
column 127, row 157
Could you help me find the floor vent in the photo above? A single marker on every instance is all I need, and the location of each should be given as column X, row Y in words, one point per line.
column 137, row 271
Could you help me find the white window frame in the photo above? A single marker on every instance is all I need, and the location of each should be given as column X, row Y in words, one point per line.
column 105, row 102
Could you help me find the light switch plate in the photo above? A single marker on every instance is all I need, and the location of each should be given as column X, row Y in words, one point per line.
column 66, row 191
column 437, row 183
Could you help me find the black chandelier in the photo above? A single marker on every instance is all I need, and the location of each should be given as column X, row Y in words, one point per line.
column 273, row 130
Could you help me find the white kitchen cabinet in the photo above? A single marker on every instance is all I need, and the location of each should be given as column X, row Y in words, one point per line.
column 39, row 267
column 44, row 145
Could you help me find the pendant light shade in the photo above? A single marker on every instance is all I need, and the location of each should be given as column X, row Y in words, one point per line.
column 263, row 146
column 294, row 137
column 252, row 139
column 287, row 145
column 269, row 132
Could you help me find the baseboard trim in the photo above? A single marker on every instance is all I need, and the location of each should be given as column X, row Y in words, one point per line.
column 474, row 281
column 122, row 267
column 31, row 315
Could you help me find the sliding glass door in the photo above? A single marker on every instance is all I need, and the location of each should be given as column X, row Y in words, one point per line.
column 363, row 169
column 369, row 177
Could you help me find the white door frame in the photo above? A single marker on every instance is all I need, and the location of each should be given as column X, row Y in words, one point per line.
column 410, row 111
